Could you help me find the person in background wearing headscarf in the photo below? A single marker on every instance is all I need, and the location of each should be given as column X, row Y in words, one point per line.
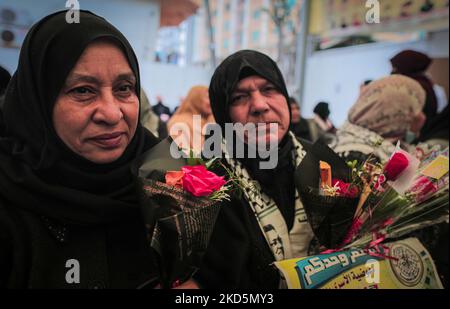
column 266, row 221
column 196, row 104
column 438, row 131
column 302, row 128
column 150, row 120
column 414, row 64
column 364, row 84
column 5, row 77
column 375, row 118
column 69, row 211
column 375, row 124
column 322, row 118
column 161, row 110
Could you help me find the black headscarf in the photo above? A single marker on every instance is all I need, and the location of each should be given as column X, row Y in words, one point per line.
column 322, row 109
column 438, row 128
column 38, row 172
column 414, row 64
column 4, row 80
column 236, row 67
column 278, row 182
column 411, row 62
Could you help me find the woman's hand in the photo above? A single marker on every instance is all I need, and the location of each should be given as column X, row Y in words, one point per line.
column 188, row 285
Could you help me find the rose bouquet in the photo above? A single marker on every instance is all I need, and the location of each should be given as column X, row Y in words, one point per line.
column 180, row 201
column 399, row 197
column 331, row 200
column 357, row 208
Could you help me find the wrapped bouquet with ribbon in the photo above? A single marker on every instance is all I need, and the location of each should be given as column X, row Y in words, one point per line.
column 404, row 195
column 366, row 206
column 180, row 201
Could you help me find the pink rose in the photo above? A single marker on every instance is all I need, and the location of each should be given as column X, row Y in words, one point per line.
column 175, row 179
column 396, row 165
column 201, row 182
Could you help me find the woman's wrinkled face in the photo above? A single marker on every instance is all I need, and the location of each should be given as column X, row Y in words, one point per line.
column 257, row 101
column 96, row 112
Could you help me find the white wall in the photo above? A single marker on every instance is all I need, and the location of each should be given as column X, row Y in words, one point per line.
column 138, row 20
column 335, row 75
column 171, row 82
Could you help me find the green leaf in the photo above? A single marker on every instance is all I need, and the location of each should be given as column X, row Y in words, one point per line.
column 210, row 163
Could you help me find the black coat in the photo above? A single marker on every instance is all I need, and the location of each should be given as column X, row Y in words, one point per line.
column 238, row 255
column 34, row 252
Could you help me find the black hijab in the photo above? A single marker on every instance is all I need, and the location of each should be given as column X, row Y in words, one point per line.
column 231, row 71
column 4, row 80
column 414, row 64
column 37, row 171
column 322, row 110
column 278, row 183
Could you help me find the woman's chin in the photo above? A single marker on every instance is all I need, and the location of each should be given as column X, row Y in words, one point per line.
column 105, row 157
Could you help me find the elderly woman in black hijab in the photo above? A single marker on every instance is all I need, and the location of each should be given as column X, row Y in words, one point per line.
column 267, row 222
column 69, row 214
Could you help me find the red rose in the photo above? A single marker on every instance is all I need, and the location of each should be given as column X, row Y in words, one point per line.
column 345, row 189
column 201, row 182
column 396, row 165
column 352, row 191
column 423, row 187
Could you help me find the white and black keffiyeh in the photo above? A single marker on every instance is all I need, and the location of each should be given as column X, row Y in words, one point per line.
column 284, row 244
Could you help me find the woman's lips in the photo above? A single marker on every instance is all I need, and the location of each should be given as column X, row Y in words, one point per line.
column 109, row 141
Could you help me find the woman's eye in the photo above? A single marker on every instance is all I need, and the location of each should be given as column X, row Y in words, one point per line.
column 82, row 91
column 237, row 99
column 269, row 89
column 125, row 89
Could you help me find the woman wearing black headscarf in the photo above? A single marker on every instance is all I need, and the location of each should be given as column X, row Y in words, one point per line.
column 267, row 222
column 69, row 214
column 322, row 114
column 414, row 64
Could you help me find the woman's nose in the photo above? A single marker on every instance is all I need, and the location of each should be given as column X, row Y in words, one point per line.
column 108, row 110
column 259, row 104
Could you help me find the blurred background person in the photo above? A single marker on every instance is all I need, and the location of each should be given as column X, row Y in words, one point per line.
column 322, row 117
column 303, row 128
column 196, row 104
column 150, row 120
column 437, row 133
column 375, row 119
column 414, row 64
column 161, row 110
column 364, row 84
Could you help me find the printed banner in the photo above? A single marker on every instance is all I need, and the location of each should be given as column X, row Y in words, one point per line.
column 404, row 264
